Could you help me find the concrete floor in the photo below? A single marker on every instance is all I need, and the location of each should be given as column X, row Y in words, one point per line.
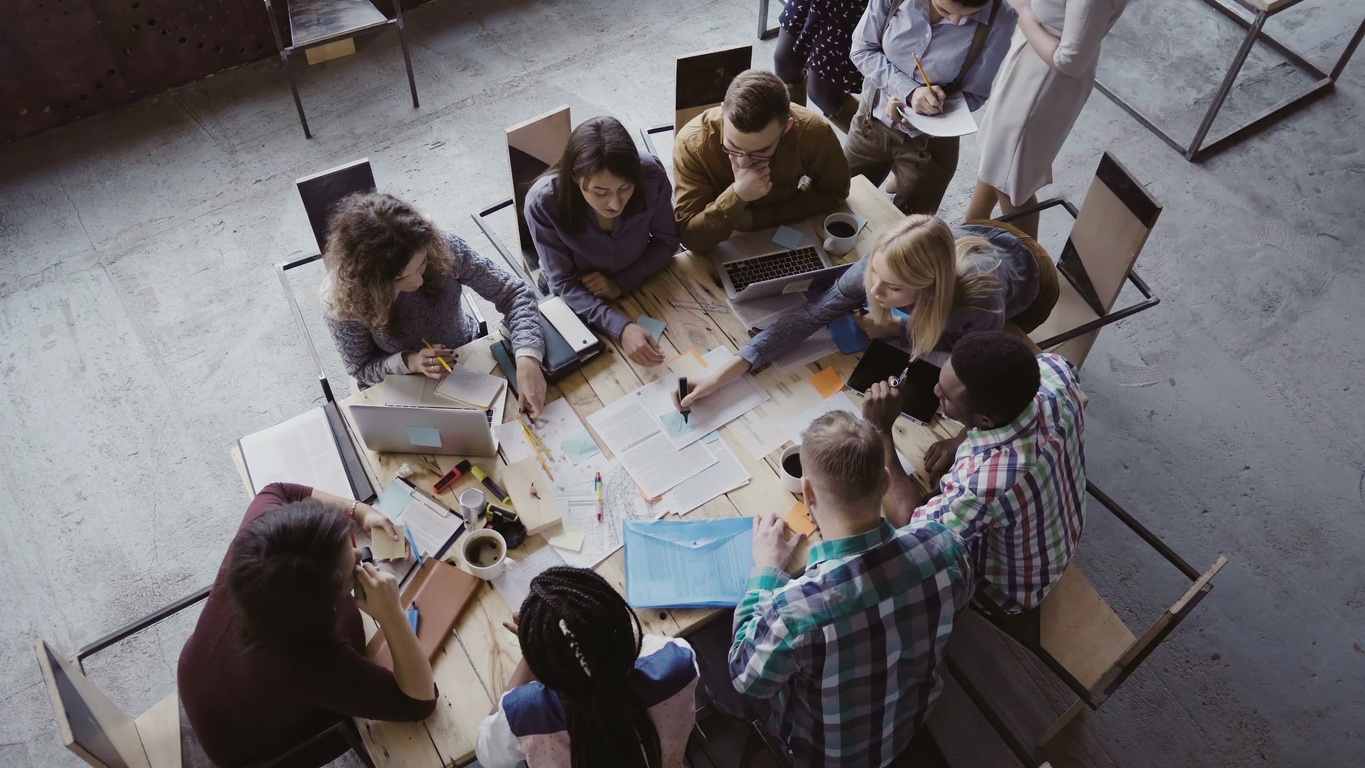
column 144, row 332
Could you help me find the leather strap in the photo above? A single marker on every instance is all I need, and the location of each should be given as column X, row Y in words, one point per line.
column 973, row 53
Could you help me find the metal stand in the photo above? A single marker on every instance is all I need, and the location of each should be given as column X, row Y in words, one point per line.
column 764, row 33
column 1197, row 150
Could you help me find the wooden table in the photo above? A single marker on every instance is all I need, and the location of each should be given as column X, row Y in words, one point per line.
column 472, row 672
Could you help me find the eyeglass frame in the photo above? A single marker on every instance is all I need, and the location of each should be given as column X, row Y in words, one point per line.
column 752, row 156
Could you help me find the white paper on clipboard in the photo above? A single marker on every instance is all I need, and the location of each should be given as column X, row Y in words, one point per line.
column 955, row 119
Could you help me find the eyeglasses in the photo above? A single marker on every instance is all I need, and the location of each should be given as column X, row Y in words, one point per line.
column 756, row 156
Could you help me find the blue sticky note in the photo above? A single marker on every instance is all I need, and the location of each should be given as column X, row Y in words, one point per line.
column 711, row 437
column 579, row 446
column 896, row 313
column 414, row 618
column 425, row 436
column 788, row 238
column 861, row 222
column 655, row 327
column 674, row 424
column 848, row 335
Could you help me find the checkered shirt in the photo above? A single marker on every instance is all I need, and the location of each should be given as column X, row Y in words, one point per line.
column 1016, row 494
column 849, row 651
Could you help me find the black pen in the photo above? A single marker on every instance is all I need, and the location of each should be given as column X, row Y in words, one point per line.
column 897, row 381
column 682, row 393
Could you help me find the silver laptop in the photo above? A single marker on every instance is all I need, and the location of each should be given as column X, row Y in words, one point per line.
column 752, row 266
column 424, row 429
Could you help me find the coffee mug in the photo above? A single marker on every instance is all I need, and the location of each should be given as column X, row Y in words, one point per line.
column 485, row 553
column 791, row 468
column 841, row 230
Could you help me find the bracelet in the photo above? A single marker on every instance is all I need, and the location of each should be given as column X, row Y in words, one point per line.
column 354, row 504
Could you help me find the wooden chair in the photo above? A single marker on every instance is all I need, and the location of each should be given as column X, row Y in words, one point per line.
column 699, row 84
column 1111, row 227
column 314, row 23
column 101, row 734
column 1082, row 640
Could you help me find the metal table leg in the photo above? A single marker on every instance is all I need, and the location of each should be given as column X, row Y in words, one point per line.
column 1237, row 62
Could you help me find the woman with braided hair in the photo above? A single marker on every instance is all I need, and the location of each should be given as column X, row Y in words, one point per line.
column 591, row 689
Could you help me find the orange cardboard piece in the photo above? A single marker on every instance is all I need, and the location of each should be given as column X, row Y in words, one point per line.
column 827, row 383
column 798, row 519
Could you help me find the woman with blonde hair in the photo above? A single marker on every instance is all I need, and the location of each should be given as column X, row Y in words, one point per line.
column 948, row 281
column 395, row 281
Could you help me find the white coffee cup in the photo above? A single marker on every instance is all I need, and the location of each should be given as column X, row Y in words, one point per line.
column 838, row 246
column 791, row 482
column 479, row 541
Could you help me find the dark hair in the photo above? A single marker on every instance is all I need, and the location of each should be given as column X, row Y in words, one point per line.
column 755, row 99
column 1000, row 373
column 598, row 144
column 580, row 638
column 973, row 3
column 282, row 576
column 370, row 240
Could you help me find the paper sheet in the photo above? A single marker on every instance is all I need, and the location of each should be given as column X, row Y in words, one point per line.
column 760, row 431
column 427, row 437
column 579, row 447
column 657, row 466
column 710, row 413
column 567, row 536
column 703, row 563
column 848, row 335
column 817, row 346
column 688, row 364
column 557, row 423
column 514, row 583
column 621, row 500
column 955, row 119
column 300, row 450
column 466, row 385
column 727, row 474
column 793, row 428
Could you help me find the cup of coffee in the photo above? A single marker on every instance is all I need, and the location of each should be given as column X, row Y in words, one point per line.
column 841, row 230
column 791, row 468
column 485, row 553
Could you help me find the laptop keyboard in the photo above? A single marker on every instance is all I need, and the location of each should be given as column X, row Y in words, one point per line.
column 746, row 272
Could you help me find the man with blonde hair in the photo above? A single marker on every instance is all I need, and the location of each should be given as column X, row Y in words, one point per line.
column 847, row 654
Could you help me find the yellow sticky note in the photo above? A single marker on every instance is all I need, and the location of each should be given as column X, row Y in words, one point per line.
column 827, row 383
column 689, row 364
column 798, row 519
column 569, row 536
column 385, row 548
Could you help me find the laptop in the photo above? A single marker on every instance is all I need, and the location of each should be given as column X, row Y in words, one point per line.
column 881, row 361
column 751, row 266
column 424, row 429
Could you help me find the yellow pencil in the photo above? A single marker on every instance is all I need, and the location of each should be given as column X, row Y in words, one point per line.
column 531, row 438
column 922, row 74
column 438, row 357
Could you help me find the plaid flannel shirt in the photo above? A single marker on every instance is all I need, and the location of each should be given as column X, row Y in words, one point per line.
column 849, row 651
column 1016, row 494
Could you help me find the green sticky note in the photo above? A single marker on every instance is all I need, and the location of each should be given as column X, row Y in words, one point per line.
column 655, row 327
column 580, row 446
column 674, row 424
column 428, row 437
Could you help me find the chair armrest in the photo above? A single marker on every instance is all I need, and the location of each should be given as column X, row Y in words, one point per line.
column 1112, row 317
column 648, row 133
column 149, row 620
column 1151, row 538
column 523, row 271
column 1040, row 207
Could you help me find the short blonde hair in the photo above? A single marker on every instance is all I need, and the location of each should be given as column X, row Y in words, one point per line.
column 923, row 254
column 845, row 453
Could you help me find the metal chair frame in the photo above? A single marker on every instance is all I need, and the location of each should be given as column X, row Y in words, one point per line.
column 1197, row 150
column 764, row 33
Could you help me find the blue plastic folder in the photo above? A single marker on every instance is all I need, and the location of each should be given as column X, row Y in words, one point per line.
column 848, row 335
column 688, row 563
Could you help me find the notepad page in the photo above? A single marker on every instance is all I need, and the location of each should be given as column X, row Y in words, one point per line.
column 301, row 450
column 467, row 385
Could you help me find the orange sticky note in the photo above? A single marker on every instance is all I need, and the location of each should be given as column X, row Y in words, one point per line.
column 798, row 519
column 827, row 383
column 689, row 364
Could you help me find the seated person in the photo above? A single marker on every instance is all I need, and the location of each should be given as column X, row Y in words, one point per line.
column 990, row 274
column 591, row 689
column 394, row 280
column 740, row 165
column 848, row 652
column 278, row 654
column 604, row 229
column 1015, row 491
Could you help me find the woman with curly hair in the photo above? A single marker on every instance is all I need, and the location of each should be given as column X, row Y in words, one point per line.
column 394, row 282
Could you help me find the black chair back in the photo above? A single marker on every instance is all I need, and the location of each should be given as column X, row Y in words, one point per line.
column 322, row 191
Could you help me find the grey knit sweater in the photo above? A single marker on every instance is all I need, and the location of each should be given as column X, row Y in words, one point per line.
column 438, row 318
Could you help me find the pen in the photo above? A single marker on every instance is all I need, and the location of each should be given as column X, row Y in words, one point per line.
column 682, row 393
column 897, row 381
column 498, row 493
column 438, row 357
column 598, row 485
column 922, row 74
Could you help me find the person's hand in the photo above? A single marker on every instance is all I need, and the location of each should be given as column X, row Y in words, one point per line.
column 710, row 383
column 939, row 458
column 600, row 285
column 774, row 544
column 893, row 109
column 927, row 101
column 530, row 386
column 514, row 626
column 891, row 326
column 882, row 405
column 427, row 361
column 752, row 183
column 376, row 593
column 641, row 347
column 370, row 519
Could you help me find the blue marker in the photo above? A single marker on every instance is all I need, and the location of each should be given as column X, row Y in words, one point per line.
column 413, row 617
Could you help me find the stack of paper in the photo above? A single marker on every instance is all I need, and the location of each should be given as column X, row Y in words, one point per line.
column 301, row 450
column 468, row 386
column 514, row 583
column 708, row 414
column 727, row 474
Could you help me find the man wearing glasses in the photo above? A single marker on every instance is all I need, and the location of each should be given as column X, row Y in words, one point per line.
column 754, row 162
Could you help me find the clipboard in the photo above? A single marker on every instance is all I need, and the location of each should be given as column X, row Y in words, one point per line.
column 440, row 592
column 434, row 534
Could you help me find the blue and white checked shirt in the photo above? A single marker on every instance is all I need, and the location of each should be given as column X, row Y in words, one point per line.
column 849, row 651
column 941, row 48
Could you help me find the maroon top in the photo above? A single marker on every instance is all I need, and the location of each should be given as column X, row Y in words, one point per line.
column 248, row 705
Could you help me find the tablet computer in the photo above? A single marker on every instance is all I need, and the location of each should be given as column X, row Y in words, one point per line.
column 881, row 361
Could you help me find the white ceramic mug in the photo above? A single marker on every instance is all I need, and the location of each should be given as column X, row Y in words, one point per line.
column 789, row 481
column 838, row 246
column 478, row 541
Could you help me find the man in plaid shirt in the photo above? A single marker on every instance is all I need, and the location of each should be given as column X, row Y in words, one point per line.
column 1015, row 491
column 848, row 653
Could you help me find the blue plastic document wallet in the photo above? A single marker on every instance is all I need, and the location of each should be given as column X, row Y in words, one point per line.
column 847, row 335
column 688, row 563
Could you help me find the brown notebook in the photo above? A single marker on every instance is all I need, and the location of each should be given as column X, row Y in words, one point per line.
column 440, row 591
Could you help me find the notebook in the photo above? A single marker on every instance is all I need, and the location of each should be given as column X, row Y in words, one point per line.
column 440, row 592
column 466, row 385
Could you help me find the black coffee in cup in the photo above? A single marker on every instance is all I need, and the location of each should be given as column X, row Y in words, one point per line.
column 840, row 229
column 792, row 465
column 483, row 551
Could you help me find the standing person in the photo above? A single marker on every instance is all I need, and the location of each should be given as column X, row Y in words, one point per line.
column 591, row 689
column 741, row 165
column 960, row 43
column 848, row 653
column 812, row 55
column 278, row 653
column 394, row 281
column 602, row 221
column 1043, row 85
